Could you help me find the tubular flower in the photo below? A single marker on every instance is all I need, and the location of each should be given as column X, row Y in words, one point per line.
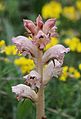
column 50, row 70
column 24, row 45
column 40, row 32
column 23, row 91
column 33, row 80
column 55, row 52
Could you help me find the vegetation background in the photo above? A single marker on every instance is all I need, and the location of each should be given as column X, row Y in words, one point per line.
column 63, row 94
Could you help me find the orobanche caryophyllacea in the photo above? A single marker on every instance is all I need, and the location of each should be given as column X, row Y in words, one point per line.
column 47, row 63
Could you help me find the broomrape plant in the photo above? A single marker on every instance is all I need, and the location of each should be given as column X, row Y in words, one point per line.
column 47, row 64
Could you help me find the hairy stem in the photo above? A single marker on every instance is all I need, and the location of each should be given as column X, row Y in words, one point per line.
column 40, row 105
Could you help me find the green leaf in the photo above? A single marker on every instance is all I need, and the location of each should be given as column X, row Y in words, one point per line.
column 24, row 109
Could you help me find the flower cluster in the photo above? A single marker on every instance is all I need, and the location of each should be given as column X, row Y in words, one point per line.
column 52, row 9
column 10, row 50
column 55, row 9
column 70, row 12
column 53, row 42
column 69, row 72
column 74, row 44
column 47, row 64
column 26, row 65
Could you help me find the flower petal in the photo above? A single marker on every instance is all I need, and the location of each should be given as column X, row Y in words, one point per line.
column 33, row 80
column 50, row 23
column 55, row 52
column 41, row 39
column 39, row 22
column 33, row 73
column 51, row 71
column 29, row 25
column 23, row 91
column 25, row 46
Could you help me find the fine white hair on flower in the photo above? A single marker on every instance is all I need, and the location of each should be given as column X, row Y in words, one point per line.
column 50, row 70
column 33, row 79
column 33, row 73
column 23, row 91
column 55, row 52
column 25, row 46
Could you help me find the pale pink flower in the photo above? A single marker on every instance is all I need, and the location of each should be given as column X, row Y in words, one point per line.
column 25, row 46
column 33, row 79
column 40, row 32
column 40, row 40
column 24, row 91
column 51, row 71
column 55, row 52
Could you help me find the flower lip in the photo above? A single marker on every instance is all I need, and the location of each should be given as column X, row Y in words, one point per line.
column 56, row 52
column 23, row 91
column 51, row 70
column 33, row 80
column 25, row 46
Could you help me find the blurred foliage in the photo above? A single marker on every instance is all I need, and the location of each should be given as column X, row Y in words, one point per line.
column 63, row 98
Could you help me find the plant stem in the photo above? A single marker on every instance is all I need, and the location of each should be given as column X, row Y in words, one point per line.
column 40, row 105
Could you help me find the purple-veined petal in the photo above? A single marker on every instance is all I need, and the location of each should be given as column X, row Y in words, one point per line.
column 50, row 71
column 50, row 23
column 39, row 22
column 33, row 79
column 28, row 24
column 33, row 73
column 25, row 46
column 41, row 39
column 23, row 91
column 55, row 52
